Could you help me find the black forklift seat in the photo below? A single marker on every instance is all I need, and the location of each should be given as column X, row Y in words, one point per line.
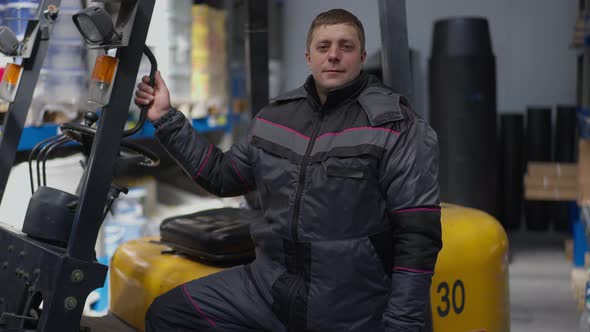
column 215, row 237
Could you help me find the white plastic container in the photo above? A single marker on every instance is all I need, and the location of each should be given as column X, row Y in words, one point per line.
column 65, row 55
column 17, row 15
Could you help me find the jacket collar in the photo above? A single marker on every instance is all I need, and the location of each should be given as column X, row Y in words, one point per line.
column 338, row 95
column 335, row 96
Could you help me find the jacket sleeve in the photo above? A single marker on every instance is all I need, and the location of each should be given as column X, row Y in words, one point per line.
column 410, row 180
column 222, row 174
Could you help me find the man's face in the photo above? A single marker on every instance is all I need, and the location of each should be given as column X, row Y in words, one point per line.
column 334, row 56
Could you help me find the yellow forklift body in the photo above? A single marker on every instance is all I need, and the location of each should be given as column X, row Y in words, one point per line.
column 140, row 271
column 469, row 289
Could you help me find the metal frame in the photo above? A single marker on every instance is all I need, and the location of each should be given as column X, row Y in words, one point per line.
column 395, row 52
column 19, row 109
column 63, row 277
column 397, row 74
column 99, row 173
column 257, row 54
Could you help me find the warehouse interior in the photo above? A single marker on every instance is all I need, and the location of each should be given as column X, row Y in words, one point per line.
column 98, row 217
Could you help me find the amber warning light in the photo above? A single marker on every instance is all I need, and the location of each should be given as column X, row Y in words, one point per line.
column 103, row 76
column 10, row 81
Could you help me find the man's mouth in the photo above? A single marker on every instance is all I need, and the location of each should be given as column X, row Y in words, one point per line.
column 333, row 71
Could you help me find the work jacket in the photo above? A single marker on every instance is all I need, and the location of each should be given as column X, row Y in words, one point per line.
column 350, row 199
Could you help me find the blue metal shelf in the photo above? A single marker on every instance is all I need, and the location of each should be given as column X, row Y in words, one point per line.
column 33, row 135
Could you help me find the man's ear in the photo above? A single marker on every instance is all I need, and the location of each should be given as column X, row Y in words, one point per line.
column 363, row 56
column 307, row 58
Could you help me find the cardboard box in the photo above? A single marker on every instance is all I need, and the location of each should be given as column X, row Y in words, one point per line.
column 209, row 74
column 551, row 181
column 579, row 278
column 569, row 249
column 541, row 182
column 549, row 169
column 584, row 172
column 550, row 194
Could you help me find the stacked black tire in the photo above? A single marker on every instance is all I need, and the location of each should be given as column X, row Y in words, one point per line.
column 462, row 88
column 538, row 148
column 477, row 168
column 541, row 141
column 517, row 149
column 512, row 169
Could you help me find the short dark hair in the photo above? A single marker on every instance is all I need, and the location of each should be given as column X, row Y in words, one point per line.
column 337, row 16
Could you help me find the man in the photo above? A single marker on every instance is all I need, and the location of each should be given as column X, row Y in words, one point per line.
column 347, row 179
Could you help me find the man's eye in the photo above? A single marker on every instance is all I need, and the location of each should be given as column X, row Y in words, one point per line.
column 322, row 47
column 348, row 47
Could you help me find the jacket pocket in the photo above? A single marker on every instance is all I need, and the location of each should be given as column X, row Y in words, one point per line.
column 346, row 172
column 357, row 167
column 382, row 244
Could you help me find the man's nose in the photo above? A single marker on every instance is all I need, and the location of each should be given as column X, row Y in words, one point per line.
column 334, row 54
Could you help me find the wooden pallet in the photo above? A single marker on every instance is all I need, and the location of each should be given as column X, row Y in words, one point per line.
column 579, row 278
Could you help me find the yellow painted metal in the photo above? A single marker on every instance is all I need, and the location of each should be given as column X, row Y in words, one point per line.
column 469, row 288
column 470, row 285
column 139, row 273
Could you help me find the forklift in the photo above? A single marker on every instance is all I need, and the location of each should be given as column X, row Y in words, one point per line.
column 48, row 268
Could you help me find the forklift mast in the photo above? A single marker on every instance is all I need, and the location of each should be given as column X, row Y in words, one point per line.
column 34, row 270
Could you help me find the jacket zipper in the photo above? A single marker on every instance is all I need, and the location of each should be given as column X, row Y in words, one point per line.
column 304, row 163
column 297, row 205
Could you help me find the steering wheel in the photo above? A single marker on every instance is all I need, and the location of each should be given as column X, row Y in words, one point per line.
column 84, row 134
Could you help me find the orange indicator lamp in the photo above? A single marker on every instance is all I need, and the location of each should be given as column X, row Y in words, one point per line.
column 103, row 76
column 10, row 81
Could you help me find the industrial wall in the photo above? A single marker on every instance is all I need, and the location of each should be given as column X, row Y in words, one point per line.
column 531, row 38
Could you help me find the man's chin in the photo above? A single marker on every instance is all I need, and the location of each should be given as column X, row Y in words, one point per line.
column 334, row 84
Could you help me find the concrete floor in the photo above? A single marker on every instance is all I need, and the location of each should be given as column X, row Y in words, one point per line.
column 540, row 295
